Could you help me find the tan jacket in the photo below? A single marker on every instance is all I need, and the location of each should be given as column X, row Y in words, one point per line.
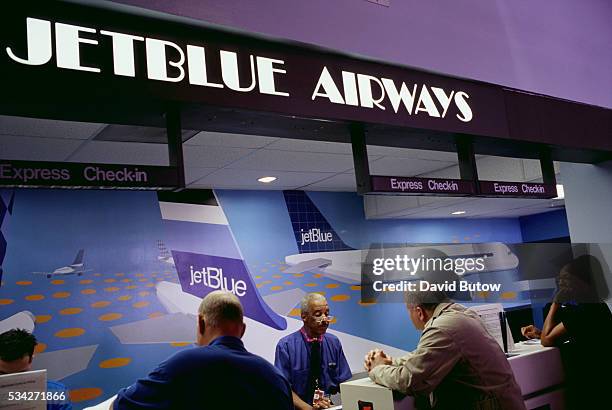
column 456, row 363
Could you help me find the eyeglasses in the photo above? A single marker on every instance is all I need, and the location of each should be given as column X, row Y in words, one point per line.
column 324, row 318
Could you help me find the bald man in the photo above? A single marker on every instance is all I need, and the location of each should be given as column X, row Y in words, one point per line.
column 219, row 374
column 310, row 358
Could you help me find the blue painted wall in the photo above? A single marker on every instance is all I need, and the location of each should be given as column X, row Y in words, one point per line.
column 544, row 226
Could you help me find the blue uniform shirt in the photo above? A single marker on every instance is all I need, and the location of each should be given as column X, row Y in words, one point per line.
column 222, row 375
column 292, row 358
column 59, row 404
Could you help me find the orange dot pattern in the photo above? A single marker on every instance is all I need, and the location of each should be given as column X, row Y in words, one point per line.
column 33, row 297
column 70, row 332
column 115, row 362
column 42, row 318
column 23, row 283
column 110, row 317
column 84, row 394
column 70, row 311
column 40, row 347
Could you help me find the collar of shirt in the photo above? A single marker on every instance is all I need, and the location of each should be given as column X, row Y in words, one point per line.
column 310, row 339
column 441, row 308
column 228, row 341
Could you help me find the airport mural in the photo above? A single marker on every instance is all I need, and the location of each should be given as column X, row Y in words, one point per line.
column 110, row 281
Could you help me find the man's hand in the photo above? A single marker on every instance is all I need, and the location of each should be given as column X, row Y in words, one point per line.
column 367, row 360
column 531, row 332
column 323, row 403
column 375, row 358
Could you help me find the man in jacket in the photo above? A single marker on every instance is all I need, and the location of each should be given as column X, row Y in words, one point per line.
column 457, row 364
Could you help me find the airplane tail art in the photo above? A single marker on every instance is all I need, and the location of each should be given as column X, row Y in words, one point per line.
column 312, row 231
column 201, row 274
column 4, row 209
column 78, row 260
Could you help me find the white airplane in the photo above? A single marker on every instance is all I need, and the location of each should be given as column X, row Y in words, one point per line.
column 76, row 268
column 164, row 254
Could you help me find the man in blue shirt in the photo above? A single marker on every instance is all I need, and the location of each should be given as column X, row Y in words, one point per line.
column 220, row 374
column 310, row 358
column 16, row 352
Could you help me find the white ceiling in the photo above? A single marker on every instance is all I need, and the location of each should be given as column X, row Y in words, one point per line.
column 231, row 161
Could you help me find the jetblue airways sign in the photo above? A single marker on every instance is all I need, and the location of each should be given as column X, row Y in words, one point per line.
column 85, row 52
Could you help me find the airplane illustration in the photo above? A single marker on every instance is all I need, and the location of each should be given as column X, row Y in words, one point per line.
column 75, row 268
column 321, row 248
column 178, row 325
column 164, row 254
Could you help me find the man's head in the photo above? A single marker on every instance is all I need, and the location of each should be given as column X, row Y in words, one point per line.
column 220, row 314
column 315, row 314
column 421, row 305
column 16, row 350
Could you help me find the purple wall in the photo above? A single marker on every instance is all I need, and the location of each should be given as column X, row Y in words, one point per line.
column 555, row 47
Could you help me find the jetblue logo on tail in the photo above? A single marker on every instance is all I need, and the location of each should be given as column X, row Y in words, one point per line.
column 315, row 235
column 312, row 231
column 212, row 277
column 201, row 274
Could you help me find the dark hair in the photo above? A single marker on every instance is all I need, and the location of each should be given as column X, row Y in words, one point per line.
column 15, row 344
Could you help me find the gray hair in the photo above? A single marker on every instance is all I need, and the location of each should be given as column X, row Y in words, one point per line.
column 305, row 303
column 220, row 307
column 428, row 300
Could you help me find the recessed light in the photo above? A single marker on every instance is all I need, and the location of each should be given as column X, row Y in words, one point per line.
column 458, row 213
column 266, row 180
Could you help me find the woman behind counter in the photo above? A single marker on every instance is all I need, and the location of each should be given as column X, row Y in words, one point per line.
column 580, row 324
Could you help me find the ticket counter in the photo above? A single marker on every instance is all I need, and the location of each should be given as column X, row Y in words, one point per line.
column 538, row 371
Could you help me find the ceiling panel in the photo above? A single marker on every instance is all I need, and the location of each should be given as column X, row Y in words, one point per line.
column 273, row 160
column 230, row 140
column 247, row 179
column 338, row 182
column 122, row 153
column 287, row 144
column 412, row 153
column 500, row 169
column 35, row 127
column 212, row 156
column 193, row 174
column 36, row 149
column 405, row 166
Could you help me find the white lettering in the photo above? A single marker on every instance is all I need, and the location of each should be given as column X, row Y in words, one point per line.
column 426, row 104
column 123, row 52
column 196, row 67
column 463, row 106
column 68, row 54
column 444, row 99
column 231, row 73
column 213, row 277
column 365, row 91
column 39, row 43
column 157, row 62
column 404, row 96
column 265, row 72
column 330, row 91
